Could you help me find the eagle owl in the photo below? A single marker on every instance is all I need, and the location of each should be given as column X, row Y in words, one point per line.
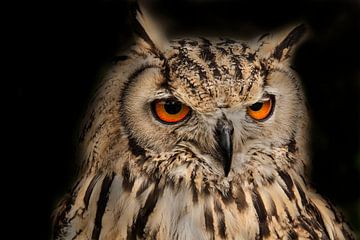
column 198, row 138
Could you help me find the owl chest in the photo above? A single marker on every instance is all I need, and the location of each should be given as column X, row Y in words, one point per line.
column 145, row 209
column 170, row 212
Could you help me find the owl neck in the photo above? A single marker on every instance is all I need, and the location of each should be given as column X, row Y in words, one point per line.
column 186, row 169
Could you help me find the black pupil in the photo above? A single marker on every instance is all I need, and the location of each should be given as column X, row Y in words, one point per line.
column 257, row 106
column 172, row 106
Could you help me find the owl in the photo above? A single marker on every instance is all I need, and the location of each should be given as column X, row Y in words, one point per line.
column 198, row 138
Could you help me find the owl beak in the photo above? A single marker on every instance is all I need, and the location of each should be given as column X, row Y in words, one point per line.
column 224, row 131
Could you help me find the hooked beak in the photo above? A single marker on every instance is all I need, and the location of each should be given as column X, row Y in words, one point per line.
column 224, row 131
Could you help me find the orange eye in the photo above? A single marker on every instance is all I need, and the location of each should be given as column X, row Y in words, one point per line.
column 261, row 110
column 170, row 110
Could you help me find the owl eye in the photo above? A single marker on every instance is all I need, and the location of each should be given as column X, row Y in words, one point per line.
column 261, row 110
column 170, row 110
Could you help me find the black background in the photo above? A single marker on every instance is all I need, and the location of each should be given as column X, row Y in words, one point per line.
column 63, row 47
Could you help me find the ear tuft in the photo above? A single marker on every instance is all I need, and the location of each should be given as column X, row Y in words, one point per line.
column 284, row 49
column 146, row 29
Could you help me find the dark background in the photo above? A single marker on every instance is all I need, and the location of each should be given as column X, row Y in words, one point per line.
column 65, row 46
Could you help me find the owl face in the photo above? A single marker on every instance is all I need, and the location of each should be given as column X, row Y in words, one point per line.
column 223, row 100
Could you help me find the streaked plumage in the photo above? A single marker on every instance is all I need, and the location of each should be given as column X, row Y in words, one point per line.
column 143, row 179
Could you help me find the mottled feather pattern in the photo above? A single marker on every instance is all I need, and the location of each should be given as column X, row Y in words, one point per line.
column 142, row 180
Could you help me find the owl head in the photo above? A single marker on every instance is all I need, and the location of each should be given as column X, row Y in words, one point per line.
column 227, row 102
